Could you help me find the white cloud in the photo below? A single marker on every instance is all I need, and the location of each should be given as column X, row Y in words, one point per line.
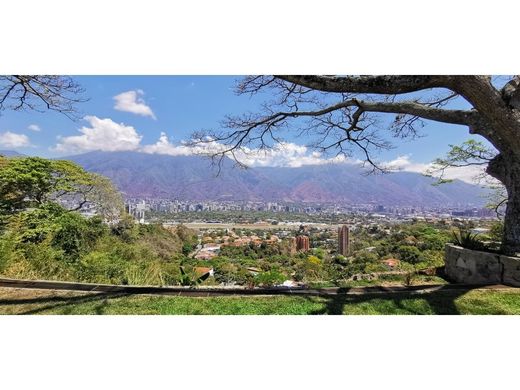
column 131, row 101
column 34, row 127
column 287, row 154
column 467, row 174
column 13, row 140
column 281, row 155
column 164, row 146
column 106, row 135
column 103, row 134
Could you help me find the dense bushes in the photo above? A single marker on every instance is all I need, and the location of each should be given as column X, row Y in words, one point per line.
column 40, row 238
column 51, row 242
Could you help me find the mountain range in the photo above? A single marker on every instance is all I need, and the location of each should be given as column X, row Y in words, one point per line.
column 140, row 175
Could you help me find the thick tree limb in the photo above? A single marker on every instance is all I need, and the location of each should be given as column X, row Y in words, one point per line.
column 370, row 84
column 511, row 92
column 459, row 117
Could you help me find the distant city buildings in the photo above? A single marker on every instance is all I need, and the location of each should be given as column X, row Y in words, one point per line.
column 344, row 240
column 381, row 212
column 137, row 210
column 302, row 243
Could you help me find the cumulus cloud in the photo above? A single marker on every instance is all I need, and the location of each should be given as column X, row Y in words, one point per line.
column 165, row 146
column 467, row 174
column 9, row 139
column 106, row 135
column 103, row 134
column 285, row 154
column 132, row 101
column 34, row 127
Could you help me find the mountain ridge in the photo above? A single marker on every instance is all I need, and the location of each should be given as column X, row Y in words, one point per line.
column 141, row 175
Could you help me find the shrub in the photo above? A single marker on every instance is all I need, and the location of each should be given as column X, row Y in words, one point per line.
column 76, row 235
column 410, row 254
column 46, row 261
column 102, row 267
column 269, row 278
column 145, row 273
column 7, row 252
column 467, row 240
column 187, row 248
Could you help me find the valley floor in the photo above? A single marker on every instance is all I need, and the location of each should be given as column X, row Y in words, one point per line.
column 477, row 301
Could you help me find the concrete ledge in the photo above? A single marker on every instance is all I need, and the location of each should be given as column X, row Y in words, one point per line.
column 477, row 267
column 511, row 270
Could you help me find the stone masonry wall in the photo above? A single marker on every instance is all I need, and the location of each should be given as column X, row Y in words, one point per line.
column 476, row 267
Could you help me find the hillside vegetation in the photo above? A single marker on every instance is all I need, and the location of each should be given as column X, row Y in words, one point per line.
column 44, row 236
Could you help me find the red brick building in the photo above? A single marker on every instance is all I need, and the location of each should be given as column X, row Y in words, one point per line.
column 302, row 243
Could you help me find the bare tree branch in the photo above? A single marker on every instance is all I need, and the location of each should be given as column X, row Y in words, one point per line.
column 339, row 124
column 39, row 93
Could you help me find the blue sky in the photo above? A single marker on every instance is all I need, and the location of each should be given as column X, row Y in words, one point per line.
column 172, row 107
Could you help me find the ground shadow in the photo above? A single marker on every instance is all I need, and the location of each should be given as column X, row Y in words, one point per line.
column 440, row 301
column 66, row 303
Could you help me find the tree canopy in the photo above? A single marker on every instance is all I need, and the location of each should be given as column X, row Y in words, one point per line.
column 33, row 181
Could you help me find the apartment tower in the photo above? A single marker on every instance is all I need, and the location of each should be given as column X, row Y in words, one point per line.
column 344, row 240
column 302, row 243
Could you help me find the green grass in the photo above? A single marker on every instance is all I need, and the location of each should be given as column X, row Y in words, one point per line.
column 19, row 301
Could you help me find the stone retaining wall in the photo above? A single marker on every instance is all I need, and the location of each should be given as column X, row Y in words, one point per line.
column 476, row 267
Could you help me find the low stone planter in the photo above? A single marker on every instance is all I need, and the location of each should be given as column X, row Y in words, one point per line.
column 477, row 267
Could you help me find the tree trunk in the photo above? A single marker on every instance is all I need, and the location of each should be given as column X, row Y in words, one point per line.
column 506, row 168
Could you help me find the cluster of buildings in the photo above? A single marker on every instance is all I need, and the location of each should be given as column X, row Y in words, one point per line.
column 139, row 207
column 209, row 247
column 137, row 210
column 301, row 243
column 208, row 250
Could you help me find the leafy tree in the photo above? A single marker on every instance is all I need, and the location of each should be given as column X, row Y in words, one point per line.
column 472, row 153
column 36, row 225
column 408, row 253
column 341, row 112
column 34, row 181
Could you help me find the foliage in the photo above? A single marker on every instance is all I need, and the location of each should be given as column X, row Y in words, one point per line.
column 187, row 248
column 468, row 240
column 471, row 152
column 497, row 231
column 408, row 253
column 8, row 252
column 34, row 181
column 269, row 278
column 76, row 235
column 41, row 238
column 189, row 278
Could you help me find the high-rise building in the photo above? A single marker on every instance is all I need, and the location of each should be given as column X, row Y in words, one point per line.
column 302, row 243
column 292, row 245
column 344, row 240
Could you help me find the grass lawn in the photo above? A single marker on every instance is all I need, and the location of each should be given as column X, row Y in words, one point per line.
column 23, row 301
